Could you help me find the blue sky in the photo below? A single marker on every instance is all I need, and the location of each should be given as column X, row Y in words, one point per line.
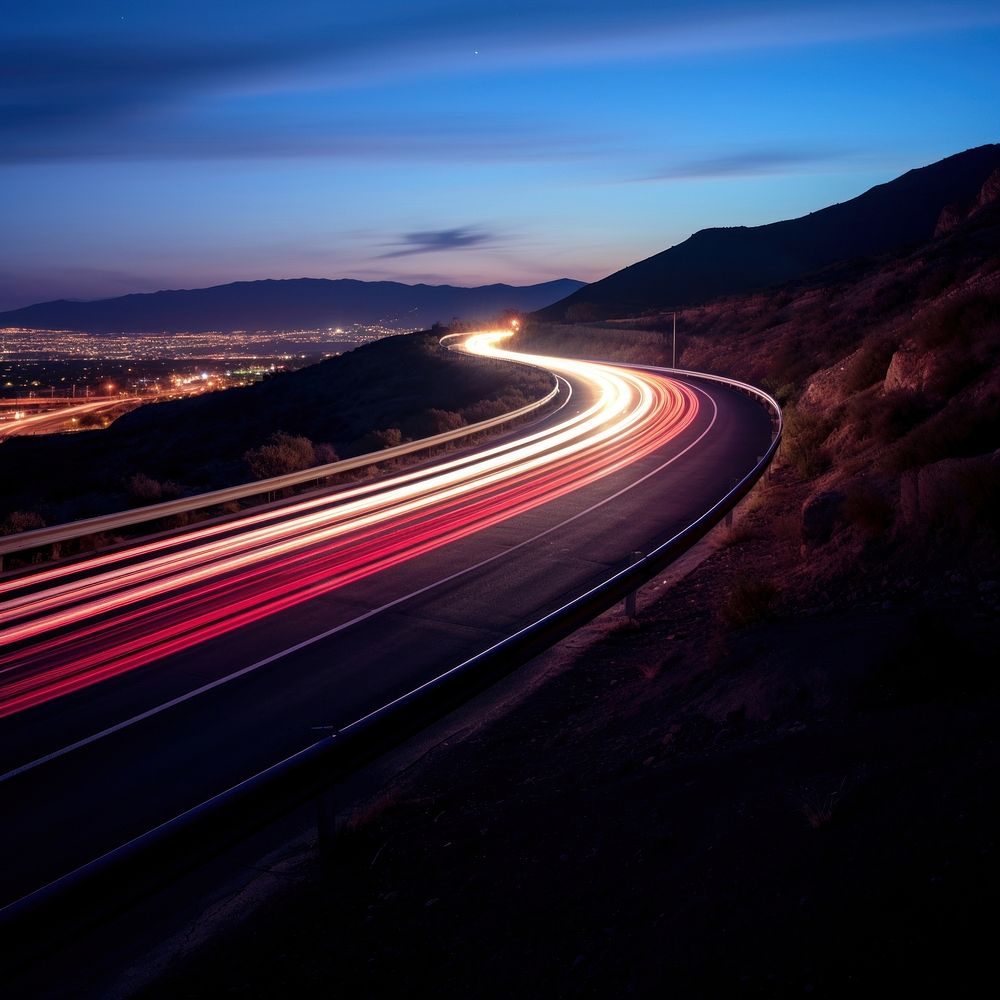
column 146, row 146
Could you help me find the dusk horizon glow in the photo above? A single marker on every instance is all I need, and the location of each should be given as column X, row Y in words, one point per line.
column 190, row 146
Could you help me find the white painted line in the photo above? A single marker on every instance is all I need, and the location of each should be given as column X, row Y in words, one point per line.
column 219, row 682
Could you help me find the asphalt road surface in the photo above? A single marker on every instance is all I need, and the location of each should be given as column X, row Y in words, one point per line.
column 137, row 684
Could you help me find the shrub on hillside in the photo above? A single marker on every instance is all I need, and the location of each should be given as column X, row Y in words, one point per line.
column 889, row 297
column 783, row 392
column 389, row 437
column 21, row 520
column 956, row 368
column 786, row 362
column 441, row 421
column 325, row 453
column 486, row 409
column 427, row 423
column 750, row 600
column 959, row 322
column 804, row 435
column 869, row 364
column 886, row 417
column 956, row 431
column 144, row 489
column 279, row 455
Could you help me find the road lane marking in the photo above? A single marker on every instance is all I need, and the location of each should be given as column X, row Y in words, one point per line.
column 305, row 643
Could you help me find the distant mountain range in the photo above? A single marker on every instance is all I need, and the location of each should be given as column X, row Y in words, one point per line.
column 712, row 263
column 718, row 262
column 292, row 304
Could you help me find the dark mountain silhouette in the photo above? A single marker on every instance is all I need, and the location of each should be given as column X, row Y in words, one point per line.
column 716, row 262
column 297, row 303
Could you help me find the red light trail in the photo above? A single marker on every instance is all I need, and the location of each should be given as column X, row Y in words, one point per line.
column 65, row 627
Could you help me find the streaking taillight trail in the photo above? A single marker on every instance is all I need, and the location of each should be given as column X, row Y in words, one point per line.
column 66, row 627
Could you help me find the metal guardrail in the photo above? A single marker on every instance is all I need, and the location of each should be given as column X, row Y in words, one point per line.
column 41, row 537
column 110, row 883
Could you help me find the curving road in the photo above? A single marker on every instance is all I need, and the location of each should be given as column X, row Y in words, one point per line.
column 137, row 683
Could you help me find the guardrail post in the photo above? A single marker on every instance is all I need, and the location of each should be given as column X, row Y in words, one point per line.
column 630, row 597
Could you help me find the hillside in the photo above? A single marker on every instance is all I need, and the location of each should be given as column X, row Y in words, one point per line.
column 780, row 780
column 717, row 262
column 292, row 304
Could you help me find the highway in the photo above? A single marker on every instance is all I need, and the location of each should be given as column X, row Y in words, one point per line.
column 135, row 684
column 62, row 419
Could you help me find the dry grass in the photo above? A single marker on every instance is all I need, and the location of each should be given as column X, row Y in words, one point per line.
column 955, row 431
column 787, row 528
column 870, row 364
column 818, row 808
column 650, row 671
column 759, row 498
column 803, row 444
column 748, row 602
column 884, row 418
column 738, row 533
column 21, row 520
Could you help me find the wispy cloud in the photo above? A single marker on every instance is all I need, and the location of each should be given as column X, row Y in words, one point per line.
column 747, row 163
column 122, row 132
column 438, row 240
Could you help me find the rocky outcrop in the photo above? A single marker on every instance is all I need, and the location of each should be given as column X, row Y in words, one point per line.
column 950, row 217
column 827, row 384
column 826, row 387
column 913, row 370
column 990, row 191
column 955, row 213
column 908, row 370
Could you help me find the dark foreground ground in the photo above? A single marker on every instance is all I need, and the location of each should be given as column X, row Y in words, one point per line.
column 752, row 790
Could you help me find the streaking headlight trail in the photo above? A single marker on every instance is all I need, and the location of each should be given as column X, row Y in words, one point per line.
column 65, row 627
